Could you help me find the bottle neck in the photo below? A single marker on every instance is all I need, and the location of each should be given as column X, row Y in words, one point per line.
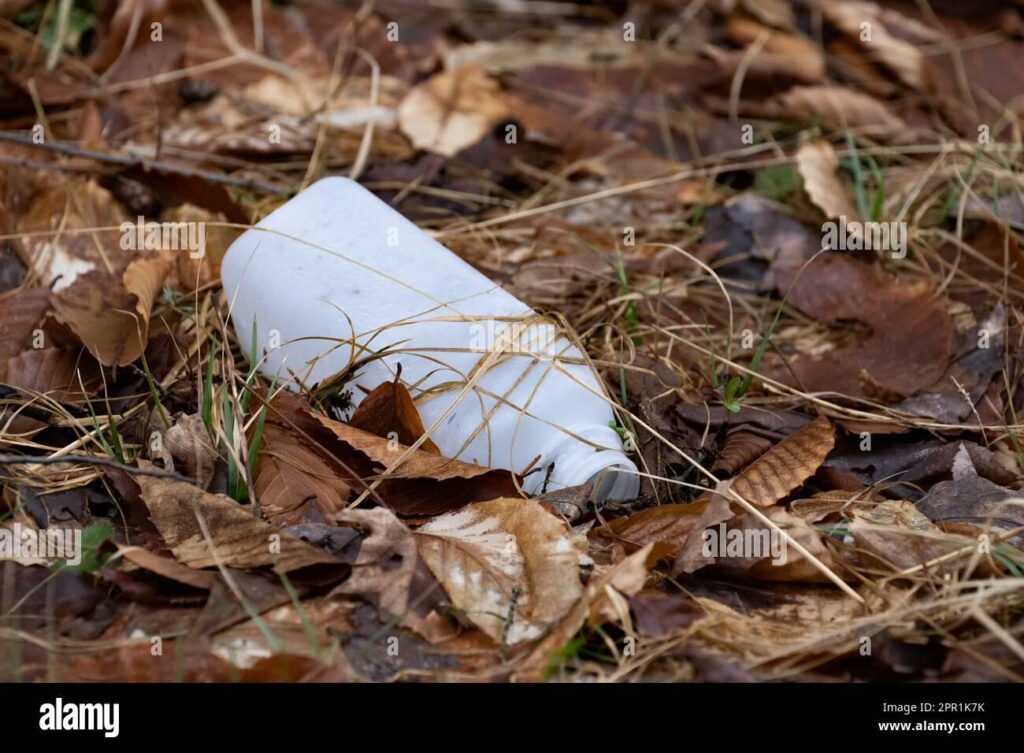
column 596, row 458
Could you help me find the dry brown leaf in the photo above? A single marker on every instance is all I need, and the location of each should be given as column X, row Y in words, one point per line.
column 167, row 568
column 239, row 539
column 292, row 479
column 111, row 316
column 663, row 530
column 452, row 110
column 384, row 568
column 818, row 164
column 389, row 412
column 692, row 555
column 21, row 312
column 189, row 441
column 834, row 106
column 53, row 252
column 783, row 51
column 787, row 465
column 906, row 349
column 790, row 565
column 898, row 55
column 739, row 450
column 605, row 590
column 895, row 534
column 508, row 564
column 425, row 483
column 53, row 372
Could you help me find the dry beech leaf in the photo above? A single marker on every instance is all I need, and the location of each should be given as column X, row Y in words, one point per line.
column 58, row 256
column 293, row 479
column 389, row 412
column 785, row 51
column 739, row 450
column 834, row 106
column 239, row 539
column 896, row 534
column 425, row 483
column 908, row 345
column 111, row 317
column 167, row 568
column 818, row 164
column 791, row 565
column 663, row 529
column 786, row 465
column 21, row 311
column 384, row 568
column 692, row 556
column 54, row 373
column 509, row 565
column 607, row 588
column 898, row 55
column 452, row 110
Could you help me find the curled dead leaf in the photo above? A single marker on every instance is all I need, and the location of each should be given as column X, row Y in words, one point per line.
column 817, row 164
column 389, row 412
column 111, row 315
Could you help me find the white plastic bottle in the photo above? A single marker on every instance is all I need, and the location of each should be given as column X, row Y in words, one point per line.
column 337, row 275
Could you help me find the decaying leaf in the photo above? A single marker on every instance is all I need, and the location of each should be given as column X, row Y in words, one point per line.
column 605, row 597
column 57, row 245
column 782, row 51
column 386, row 562
column 233, row 536
column 510, row 566
column 739, row 450
column 837, row 106
column 452, row 110
column 906, row 348
column 663, row 529
column 425, row 483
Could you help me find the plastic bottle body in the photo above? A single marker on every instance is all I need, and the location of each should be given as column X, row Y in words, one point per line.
column 336, row 276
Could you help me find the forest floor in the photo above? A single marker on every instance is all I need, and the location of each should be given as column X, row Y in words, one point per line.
column 785, row 234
